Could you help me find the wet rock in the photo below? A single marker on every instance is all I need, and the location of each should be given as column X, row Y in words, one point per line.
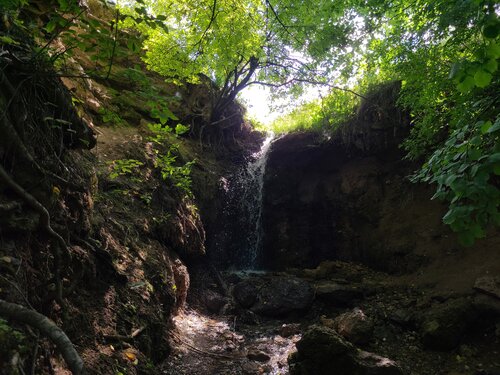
column 245, row 293
column 287, row 330
column 355, row 326
column 258, row 355
column 488, row 285
column 283, row 295
column 322, row 351
column 338, row 294
column 444, row 325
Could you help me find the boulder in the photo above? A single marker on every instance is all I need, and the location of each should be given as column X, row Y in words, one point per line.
column 355, row 326
column 283, row 295
column 444, row 325
column 245, row 293
column 274, row 296
column 338, row 294
column 322, row 351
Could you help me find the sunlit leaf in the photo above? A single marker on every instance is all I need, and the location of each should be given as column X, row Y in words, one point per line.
column 482, row 78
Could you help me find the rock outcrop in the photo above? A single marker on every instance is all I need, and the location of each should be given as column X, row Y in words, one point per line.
column 322, row 351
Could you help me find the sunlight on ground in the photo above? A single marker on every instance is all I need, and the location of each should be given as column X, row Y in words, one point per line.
column 213, row 345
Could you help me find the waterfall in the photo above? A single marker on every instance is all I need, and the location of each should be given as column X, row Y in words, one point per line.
column 250, row 184
column 237, row 240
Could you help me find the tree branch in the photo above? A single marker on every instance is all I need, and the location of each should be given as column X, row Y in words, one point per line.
column 115, row 40
column 212, row 19
column 303, row 80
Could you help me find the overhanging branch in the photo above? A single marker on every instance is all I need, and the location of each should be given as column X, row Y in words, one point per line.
column 303, row 80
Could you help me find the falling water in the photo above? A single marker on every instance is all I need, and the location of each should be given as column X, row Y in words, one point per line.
column 238, row 238
column 251, row 183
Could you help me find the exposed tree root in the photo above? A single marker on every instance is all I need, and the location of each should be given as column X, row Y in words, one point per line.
column 48, row 328
column 44, row 221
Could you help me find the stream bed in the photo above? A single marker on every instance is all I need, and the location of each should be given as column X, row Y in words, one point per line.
column 212, row 345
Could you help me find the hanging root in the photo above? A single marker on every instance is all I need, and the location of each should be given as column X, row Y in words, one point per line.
column 44, row 221
column 11, row 135
column 48, row 328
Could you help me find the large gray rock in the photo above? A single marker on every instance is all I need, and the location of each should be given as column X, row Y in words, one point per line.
column 274, row 295
column 322, row 351
column 444, row 325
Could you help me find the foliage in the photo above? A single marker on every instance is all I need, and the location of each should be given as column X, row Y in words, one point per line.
column 179, row 175
column 11, row 340
column 110, row 117
column 445, row 53
column 464, row 170
column 124, row 167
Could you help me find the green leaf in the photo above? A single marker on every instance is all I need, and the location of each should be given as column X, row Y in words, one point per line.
column 51, row 25
column 8, row 40
column 181, row 129
column 482, row 78
column 496, row 169
column 491, row 66
column 491, row 29
column 474, row 154
column 493, row 50
column 485, row 127
column 450, row 216
column 495, row 158
column 455, row 69
column 495, row 127
column 467, row 84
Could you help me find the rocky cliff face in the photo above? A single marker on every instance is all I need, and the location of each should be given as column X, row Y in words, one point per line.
column 349, row 198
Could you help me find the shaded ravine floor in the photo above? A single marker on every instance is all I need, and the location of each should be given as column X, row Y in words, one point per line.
column 205, row 345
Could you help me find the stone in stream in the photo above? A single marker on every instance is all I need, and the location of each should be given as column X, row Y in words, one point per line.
column 274, row 295
column 258, row 355
column 355, row 326
column 322, row 351
column 287, row 330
